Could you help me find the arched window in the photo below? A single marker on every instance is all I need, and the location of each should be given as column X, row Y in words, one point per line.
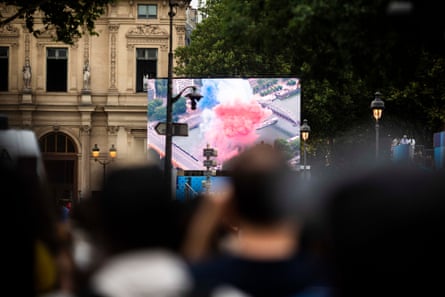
column 56, row 143
column 60, row 159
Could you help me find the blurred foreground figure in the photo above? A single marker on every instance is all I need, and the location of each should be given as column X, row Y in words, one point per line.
column 262, row 256
column 34, row 245
column 30, row 230
column 133, row 228
column 385, row 229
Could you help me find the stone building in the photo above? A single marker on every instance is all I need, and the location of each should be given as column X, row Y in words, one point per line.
column 92, row 92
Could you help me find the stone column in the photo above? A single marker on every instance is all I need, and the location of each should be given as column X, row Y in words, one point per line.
column 84, row 160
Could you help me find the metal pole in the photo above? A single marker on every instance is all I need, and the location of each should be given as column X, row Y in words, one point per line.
column 169, row 120
column 377, row 140
column 104, row 171
column 304, row 158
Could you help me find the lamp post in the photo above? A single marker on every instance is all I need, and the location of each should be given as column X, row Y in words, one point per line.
column 194, row 97
column 305, row 129
column 377, row 107
column 173, row 4
column 95, row 152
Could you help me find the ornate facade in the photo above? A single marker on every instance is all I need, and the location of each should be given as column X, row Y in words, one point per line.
column 76, row 96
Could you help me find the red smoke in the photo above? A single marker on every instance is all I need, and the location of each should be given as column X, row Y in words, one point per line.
column 234, row 126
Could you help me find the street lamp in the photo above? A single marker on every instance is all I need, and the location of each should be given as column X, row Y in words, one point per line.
column 305, row 129
column 377, row 107
column 95, row 152
column 173, row 4
column 194, row 96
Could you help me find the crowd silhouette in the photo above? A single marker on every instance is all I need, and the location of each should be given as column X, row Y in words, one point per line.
column 370, row 232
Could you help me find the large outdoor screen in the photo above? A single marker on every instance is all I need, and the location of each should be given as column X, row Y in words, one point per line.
column 232, row 114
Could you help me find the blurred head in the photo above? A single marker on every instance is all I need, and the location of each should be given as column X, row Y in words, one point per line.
column 385, row 227
column 262, row 185
column 132, row 212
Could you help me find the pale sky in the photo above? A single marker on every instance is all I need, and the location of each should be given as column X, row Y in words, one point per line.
column 194, row 4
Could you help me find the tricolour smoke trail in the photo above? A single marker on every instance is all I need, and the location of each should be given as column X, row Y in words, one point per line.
column 232, row 123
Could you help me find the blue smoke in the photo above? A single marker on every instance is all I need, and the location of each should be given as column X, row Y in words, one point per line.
column 209, row 91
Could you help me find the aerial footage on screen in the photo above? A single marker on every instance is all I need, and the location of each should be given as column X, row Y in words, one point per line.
column 232, row 114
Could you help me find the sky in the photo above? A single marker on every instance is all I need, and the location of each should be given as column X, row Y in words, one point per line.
column 194, row 3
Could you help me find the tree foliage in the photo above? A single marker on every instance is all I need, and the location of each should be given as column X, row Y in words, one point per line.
column 342, row 50
column 68, row 18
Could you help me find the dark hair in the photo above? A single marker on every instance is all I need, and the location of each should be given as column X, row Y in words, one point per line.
column 133, row 211
column 385, row 228
column 262, row 183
